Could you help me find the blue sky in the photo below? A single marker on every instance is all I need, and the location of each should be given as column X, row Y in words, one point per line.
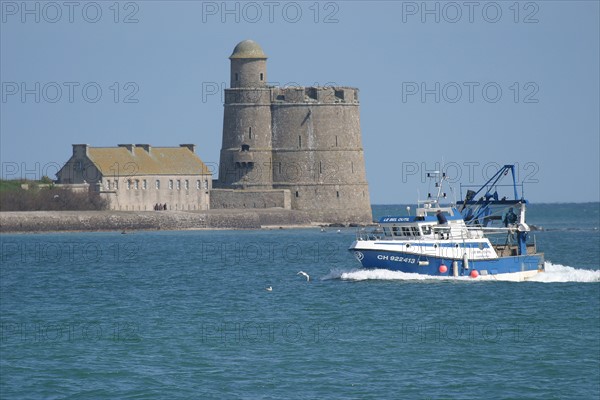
column 468, row 85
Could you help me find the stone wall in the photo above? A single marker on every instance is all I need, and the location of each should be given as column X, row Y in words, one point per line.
column 49, row 221
column 274, row 217
column 56, row 221
column 243, row 199
column 322, row 163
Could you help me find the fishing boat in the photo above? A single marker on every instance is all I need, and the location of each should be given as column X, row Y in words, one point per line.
column 483, row 236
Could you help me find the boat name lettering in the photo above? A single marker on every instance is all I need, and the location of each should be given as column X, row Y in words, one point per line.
column 396, row 219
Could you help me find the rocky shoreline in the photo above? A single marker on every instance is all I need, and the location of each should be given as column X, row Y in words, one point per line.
column 61, row 221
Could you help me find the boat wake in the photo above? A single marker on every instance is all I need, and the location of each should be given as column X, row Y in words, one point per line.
column 554, row 273
column 563, row 273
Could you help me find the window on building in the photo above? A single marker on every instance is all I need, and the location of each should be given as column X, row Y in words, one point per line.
column 157, row 184
column 250, row 133
column 236, row 76
column 198, row 184
column 128, row 184
column 116, row 184
column 245, row 147
column 107, row 184
column 144, row 184
column 296, row 193
column 336, row 142
column 171, row 184
column 187, row 184
column 205, row 184
column 299, row 141
column 136, row 184
column 178, row 184
column 261, row 76
column 337, row 194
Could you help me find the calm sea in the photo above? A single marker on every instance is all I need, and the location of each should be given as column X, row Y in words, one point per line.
column 182, row 315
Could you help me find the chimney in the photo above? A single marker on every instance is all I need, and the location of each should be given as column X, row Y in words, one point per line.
column 191, row 147
column 80, row 150
column 146, row 147
column 129, row 147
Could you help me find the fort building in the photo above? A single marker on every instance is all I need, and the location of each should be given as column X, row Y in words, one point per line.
column 137, row 177
column 298, row 146
column 291, row 148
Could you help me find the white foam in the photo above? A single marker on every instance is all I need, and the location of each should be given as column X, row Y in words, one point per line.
column 383, row 274
column 563, row 273
column 553, row 273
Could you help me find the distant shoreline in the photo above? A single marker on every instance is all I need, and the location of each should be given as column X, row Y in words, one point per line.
column 101, row 221
column 530, row 202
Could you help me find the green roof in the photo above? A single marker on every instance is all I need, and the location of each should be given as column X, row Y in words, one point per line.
column 158, row 161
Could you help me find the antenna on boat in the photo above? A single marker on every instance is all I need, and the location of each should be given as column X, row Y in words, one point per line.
column 453, row 193
column 439, row 177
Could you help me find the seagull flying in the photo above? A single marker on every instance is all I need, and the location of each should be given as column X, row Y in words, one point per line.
column 304, row 274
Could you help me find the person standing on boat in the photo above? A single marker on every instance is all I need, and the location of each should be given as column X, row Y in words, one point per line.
column 441, row 218
column 443, row 222
column 510, row 217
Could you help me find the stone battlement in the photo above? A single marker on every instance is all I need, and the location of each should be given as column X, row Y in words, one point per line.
column 313, row 95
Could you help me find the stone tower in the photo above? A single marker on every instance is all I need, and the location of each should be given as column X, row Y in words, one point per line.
column 306, row 140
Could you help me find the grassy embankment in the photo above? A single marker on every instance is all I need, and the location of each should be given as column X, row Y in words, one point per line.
column 43, row 195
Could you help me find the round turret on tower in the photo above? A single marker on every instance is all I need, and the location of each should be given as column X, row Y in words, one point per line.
column 248, row 65
column 246, row 150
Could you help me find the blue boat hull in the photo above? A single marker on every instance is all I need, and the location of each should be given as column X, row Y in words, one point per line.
column 410, row 263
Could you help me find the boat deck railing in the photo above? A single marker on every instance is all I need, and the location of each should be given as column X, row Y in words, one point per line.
column 365, row 235
column 499, row 236
column 439, row 233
